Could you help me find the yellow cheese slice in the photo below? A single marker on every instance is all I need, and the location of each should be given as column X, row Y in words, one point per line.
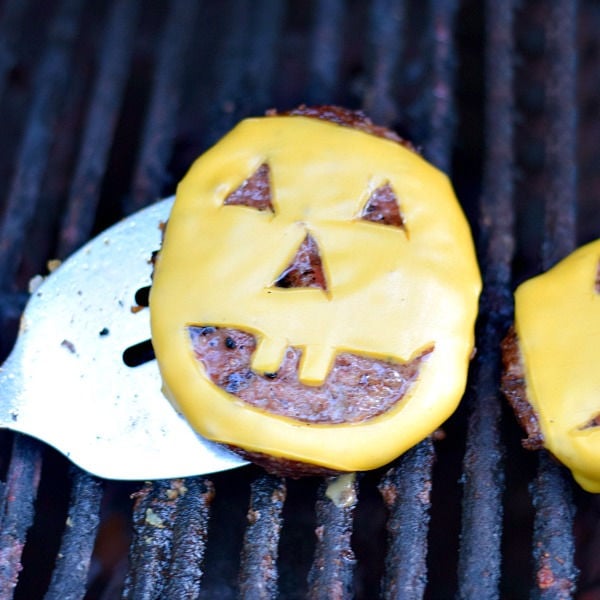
column 392, row 292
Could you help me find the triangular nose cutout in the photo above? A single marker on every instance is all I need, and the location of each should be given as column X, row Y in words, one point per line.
column 306, row 268
column 254, row 192
column 382, row 207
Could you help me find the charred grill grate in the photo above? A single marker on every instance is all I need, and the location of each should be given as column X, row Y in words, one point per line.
column 105, row 106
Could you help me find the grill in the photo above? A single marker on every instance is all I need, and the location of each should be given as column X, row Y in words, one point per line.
column 106, row 104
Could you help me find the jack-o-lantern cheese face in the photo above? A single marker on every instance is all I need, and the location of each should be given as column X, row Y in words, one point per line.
column 315, row 295
column 557, row 324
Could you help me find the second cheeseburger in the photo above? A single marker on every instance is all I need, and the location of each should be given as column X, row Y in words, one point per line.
column 314, row 299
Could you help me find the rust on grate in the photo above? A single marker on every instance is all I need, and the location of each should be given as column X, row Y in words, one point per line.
column 406, row 491
column 332, row 571
column 19, row 493
column 170, row 528
column 258, row 570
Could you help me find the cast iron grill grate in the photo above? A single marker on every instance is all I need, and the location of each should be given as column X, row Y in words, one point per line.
column 106, row 105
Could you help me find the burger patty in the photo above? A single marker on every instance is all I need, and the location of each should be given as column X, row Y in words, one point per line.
column 357, row 387
column 348, row 118
column 515, row 389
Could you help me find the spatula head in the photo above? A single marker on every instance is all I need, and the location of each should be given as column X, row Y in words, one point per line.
column 67, row 383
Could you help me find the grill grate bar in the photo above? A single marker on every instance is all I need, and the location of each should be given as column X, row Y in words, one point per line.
column 386, row 36
column 479, row 572
column 442, row 114
column 406, row 491
column 326, row 47
column 331, row 573
column 14, row 13
column 18, row 497
column 70, row 576
column 50, row 85
column 230, row 63
column 258, row 571
column 100, row 125
column 150, row 550
column 553, row 543
column 246, row 64
column 553, row 547
column 170, row 527
column 561, row 139
column 189, row 537
column 267, row 17
column 160, row 127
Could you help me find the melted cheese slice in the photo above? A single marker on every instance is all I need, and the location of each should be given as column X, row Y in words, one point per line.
column 557, row 319
column 391, row 292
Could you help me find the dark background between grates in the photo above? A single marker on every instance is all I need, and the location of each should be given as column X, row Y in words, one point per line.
column 103, row 107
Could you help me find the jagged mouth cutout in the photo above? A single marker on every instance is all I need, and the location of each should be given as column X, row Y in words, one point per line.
column 356, row 389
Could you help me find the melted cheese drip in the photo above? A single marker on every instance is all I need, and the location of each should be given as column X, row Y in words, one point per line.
column 390, row 293
column 341, row 491
column 557, row 319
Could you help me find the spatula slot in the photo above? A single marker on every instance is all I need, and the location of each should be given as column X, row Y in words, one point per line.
column 139, row 354
column 142, row 296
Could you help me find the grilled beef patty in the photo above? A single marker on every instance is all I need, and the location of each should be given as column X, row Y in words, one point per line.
column 515, row 389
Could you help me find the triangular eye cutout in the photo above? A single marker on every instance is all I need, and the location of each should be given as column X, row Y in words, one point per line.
column 382, row 207
column 306, row 268
column 254, row 192
column 594, row 421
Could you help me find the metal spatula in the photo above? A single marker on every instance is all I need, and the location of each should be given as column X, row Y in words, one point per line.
column 67, row 383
